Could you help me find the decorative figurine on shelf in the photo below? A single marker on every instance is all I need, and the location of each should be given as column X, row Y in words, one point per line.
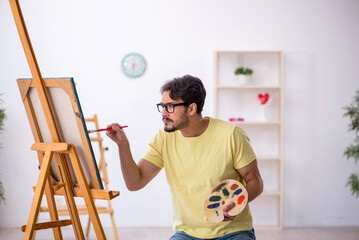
column 264, row 101
column 233, row 119
column 243, row 74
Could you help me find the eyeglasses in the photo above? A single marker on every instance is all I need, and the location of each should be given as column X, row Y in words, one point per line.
column 170, row 107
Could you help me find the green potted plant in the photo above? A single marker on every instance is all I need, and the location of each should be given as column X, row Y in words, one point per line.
column 2, row 117
column 242, row 74
column 352, row 111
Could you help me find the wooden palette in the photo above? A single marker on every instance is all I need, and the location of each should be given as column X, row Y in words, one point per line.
column 224, row 193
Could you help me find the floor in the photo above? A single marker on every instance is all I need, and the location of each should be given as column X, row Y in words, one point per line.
column 163, row 233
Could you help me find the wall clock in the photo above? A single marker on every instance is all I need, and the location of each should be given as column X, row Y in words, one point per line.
column 133, row 65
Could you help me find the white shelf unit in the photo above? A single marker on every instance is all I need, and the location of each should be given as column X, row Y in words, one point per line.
column 232, row 100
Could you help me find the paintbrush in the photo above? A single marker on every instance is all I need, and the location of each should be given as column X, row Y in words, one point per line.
column 104, row 129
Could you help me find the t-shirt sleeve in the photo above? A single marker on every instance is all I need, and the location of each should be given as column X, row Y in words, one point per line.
column 242, row 150
column 154, row 153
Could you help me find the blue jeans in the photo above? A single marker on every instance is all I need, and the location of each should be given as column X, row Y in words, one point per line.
column 242, row 235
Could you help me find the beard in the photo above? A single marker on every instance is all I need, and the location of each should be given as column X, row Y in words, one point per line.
column 184, row 121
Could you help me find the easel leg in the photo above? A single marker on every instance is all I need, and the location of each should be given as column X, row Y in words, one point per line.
column 70, row 201
column 88, row 227
column 112, row 216
column 113, row 221
column 50, row 203
column 39, row 191
column 52, row 208
column 86, row 194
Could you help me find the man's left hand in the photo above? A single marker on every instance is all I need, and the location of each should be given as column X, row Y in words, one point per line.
column 226, row 208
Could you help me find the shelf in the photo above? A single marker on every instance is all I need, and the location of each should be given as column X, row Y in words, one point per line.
column 271, row 193
column 248, row 87
column 268, row 158
column 262, row 124
column 246, row 52
column 254, row 123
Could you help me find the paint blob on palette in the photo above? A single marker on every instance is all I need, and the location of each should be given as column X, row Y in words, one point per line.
column 224, row 193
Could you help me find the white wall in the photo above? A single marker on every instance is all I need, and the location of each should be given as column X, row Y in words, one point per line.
column 87, row 40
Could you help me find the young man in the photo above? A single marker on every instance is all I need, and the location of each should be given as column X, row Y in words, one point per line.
column 196, row 154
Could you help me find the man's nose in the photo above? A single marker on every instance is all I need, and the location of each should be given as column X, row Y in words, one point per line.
column 164, row 113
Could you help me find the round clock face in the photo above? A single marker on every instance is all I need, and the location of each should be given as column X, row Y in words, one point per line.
column 133, row 65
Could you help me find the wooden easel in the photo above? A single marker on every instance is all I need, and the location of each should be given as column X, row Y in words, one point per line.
column 82, row 209
column 60, row 151
column 103, row 170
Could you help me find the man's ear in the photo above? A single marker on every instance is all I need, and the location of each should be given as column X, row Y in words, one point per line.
column 192, row 108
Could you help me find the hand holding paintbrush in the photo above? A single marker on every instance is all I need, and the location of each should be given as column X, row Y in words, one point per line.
column 116, row 133
column 104, row 129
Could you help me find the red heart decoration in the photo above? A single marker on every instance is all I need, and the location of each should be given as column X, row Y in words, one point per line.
column 263, row 98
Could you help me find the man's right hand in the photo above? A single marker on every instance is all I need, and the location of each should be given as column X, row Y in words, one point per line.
column 116, row 134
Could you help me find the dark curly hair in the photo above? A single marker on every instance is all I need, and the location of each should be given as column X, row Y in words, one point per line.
column 188, row 88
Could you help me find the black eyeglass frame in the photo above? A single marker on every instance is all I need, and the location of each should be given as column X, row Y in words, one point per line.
column 164, row 106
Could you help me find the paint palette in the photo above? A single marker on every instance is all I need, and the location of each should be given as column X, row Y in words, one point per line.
column 224, row 193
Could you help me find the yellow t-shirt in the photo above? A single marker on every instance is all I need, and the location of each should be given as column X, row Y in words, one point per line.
column 194, row 165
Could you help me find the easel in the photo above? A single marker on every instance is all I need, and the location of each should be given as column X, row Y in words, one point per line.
column 62, row 153
column 103, row 170
column 82, row 209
